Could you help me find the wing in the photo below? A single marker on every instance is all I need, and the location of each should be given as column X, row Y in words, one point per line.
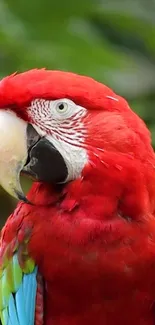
column 19, row 288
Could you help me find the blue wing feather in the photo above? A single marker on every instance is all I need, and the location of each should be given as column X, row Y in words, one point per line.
column 33, row 285
column 12, row 318
column 21, row 306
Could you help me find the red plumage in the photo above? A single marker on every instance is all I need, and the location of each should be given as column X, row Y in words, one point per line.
column 93, row 240
column 19, row 90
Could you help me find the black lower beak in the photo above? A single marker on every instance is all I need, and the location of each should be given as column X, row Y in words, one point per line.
column 44, row 163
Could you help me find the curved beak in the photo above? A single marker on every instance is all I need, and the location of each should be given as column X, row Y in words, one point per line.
column 13, row 152
column 22, row 150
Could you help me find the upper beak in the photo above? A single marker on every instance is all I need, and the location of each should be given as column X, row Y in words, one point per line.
column 23, row 150
column 13, row 152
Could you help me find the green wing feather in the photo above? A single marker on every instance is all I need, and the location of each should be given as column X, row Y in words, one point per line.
column 13, row 268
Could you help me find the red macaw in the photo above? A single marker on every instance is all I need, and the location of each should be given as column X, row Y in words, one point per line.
column 80, row 248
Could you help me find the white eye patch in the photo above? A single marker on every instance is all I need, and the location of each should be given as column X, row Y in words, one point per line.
column 61, row 122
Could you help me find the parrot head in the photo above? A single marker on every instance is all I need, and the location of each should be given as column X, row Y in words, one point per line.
column 58, row 127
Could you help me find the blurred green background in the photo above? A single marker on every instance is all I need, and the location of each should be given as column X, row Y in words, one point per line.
column 112, row 41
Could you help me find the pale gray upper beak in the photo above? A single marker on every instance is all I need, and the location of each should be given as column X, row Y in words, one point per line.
column 13, row 151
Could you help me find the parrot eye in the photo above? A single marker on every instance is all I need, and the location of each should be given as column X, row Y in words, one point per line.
column 61, row 107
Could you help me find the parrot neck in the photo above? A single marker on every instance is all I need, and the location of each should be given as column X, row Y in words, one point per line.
column 113, row 186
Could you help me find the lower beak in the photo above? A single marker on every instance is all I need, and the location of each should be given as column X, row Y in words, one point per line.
column 44, row 162
column 22, row 150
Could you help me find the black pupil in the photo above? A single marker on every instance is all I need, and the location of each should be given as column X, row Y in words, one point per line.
column 61, row 106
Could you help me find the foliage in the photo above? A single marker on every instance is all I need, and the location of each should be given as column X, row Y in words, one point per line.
column 112, row 41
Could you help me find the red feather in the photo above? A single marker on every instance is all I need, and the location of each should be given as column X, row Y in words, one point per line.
column 94, row 240
column 19, row 90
